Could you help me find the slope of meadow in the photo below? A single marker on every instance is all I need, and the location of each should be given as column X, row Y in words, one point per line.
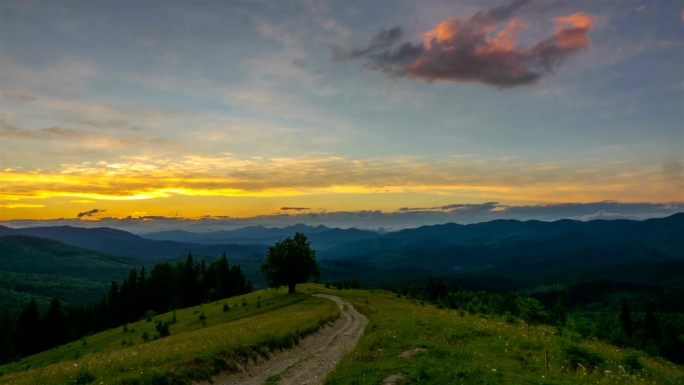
column 407, row 342
column 203, row 340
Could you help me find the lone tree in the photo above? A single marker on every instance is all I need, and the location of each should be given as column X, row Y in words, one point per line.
column 289, row 262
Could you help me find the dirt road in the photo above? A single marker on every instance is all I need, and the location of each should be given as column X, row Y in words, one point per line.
column 314, row 357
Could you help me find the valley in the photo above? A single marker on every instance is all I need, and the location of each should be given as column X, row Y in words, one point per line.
column 453, row 293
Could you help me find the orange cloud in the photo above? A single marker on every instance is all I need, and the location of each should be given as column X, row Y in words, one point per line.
column 574, row 37
column 461, row 49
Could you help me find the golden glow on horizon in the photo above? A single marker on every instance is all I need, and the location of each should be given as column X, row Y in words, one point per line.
column 213, row 185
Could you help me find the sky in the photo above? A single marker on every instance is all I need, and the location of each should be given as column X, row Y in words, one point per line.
column 338, row 112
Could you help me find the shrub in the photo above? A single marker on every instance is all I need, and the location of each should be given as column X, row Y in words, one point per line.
column 631, row 363
column 163, row 328
column 148, row 315
column 84, row 377
column 578, row 356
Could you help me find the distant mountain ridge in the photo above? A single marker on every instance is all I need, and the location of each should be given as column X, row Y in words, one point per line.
column 321, row 237
column 533, row 229
column 520, row 250
column 125, row 244
column 532, row 251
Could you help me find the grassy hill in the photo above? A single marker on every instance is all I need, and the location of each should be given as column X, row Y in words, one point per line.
column 422, row 344
column 405, row 339
column 203, row 340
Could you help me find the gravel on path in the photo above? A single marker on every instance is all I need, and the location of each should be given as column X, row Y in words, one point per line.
column 309, row 362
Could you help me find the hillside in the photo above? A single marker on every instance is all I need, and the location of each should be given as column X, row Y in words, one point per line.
column 405, row 342
column 45, row 269
column 528, row 252
column 203, row 340
column 410, row 342
column 507, row 254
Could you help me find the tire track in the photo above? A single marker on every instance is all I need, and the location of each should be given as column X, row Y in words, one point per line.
column 316, row 355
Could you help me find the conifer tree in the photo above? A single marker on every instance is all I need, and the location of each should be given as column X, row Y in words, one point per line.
column 55, row 328
column 27, row 338
column 7, row 350
column 625, row 317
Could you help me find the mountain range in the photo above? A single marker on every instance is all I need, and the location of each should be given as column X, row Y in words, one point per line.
column 125, row 244
column 501, row 254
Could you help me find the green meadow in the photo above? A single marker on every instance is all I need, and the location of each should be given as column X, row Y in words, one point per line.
column 419, row 343
column 409, row 341
column 203, row 340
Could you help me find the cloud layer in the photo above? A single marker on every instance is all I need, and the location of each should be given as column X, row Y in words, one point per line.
column 479, row 48
column 375, row 219
column 472, row 178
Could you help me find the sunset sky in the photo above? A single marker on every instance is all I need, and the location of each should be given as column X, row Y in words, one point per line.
column 116, row 109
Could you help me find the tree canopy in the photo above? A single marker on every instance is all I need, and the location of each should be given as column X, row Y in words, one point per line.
column 289, row 262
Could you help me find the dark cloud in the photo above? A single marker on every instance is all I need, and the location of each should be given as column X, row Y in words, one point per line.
column 294, row 208
column 469, row 49
column 470, row 207
column 455, row 207
column 89, row 213
column 407, row 209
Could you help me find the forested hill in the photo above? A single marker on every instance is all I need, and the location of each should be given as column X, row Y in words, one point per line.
column 41, row 268
column 499, row 229
column 668, row 232
column 528, row 252
column 32, row 255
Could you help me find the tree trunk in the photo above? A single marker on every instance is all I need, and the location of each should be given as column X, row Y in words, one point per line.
column 291, row 288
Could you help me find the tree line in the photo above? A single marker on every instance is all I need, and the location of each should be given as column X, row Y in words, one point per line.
column 166, row 287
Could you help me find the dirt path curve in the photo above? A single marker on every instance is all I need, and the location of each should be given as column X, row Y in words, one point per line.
column 315, row 356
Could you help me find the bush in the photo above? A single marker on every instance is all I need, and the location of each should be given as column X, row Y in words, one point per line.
column 84, row 377
column 148, row 315
column 163, row 328
column 578, row 356
column 631, row 363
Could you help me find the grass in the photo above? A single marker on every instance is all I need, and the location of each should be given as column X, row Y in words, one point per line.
column 439, row 346
column 460, row 348
column 203, row 341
